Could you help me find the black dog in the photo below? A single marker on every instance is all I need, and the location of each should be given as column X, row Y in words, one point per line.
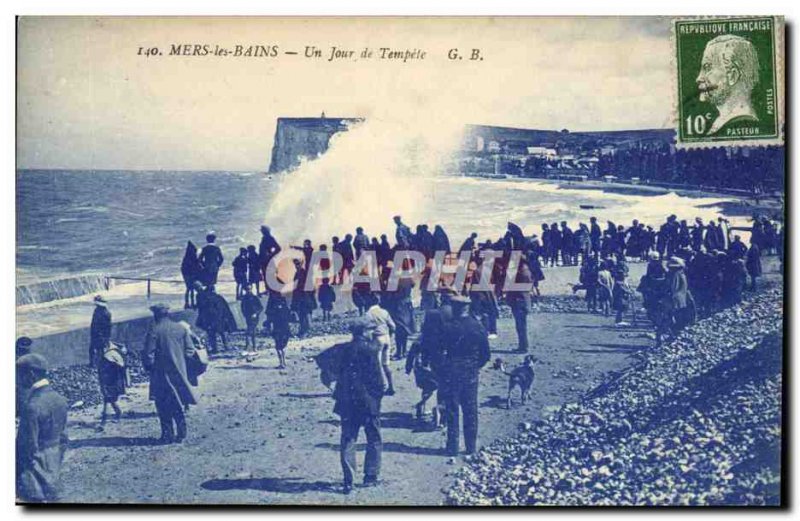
column 521, row 377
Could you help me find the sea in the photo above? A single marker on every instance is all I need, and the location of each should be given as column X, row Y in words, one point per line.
column 74, row 224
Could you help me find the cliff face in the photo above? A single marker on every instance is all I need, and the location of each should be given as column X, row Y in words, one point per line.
column 296, row 138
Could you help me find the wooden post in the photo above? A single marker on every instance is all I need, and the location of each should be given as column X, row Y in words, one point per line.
column 148, row 288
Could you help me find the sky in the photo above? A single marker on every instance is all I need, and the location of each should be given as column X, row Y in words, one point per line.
column 86, row 100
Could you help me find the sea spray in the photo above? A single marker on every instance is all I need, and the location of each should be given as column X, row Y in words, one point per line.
column 377, row 169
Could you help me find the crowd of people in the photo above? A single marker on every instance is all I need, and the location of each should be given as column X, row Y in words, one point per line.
column 707, row 254
column 691, row 270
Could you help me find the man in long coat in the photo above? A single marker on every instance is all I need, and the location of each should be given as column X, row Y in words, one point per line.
column 467, row 351
column 441, row 242
column 701, row 270
column 753, row 264
column 433, row 353
column 402, row 234
column 520, row 303
column 41, row 438
column 360, row 242
column 734, row 280
column 99, row 331
column 359, row 389
column 401, row 309
column 595, row 234
column 655, row 289
column 167, row 347
column 214, row 316
column 484, row 305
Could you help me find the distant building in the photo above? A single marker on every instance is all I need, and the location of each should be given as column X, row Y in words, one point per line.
column 517, row 148
column 542, row 152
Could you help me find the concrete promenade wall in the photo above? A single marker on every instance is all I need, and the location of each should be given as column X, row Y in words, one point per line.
column 72, row 347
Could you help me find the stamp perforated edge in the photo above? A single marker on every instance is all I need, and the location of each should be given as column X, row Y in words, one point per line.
column 778, row 46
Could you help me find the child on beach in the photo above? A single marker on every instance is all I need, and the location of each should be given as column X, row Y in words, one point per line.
column 113, row 375
column 327, row 296
column 537, row 274
column 605, row 287
column 253, row 268
column 251, row 309
column 280, row 318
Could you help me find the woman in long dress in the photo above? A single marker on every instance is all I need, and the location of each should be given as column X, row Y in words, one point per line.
column 190, row 270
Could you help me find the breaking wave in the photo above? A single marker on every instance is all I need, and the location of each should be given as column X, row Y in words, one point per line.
column 59, row 289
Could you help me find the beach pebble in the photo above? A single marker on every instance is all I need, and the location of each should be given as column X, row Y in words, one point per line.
column 673, row 431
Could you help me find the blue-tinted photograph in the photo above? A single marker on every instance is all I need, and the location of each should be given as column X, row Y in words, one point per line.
column 399, row 261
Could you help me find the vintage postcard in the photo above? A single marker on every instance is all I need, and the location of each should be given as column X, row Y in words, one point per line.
column 400, row 261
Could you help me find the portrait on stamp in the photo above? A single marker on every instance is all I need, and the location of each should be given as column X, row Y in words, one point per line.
column 728, row 73
column 728, row 83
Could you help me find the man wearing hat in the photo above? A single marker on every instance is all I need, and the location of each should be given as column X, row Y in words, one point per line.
column 359, row 389
column 167, row 347
column 23, row 346
column 99, row 331
column 435, row 321
column 41, row 437
column 430, row 351
column 520, row 303
column 467, row 345
column 402, row 234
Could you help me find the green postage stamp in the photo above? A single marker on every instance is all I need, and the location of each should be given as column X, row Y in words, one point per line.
column 729, row 81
